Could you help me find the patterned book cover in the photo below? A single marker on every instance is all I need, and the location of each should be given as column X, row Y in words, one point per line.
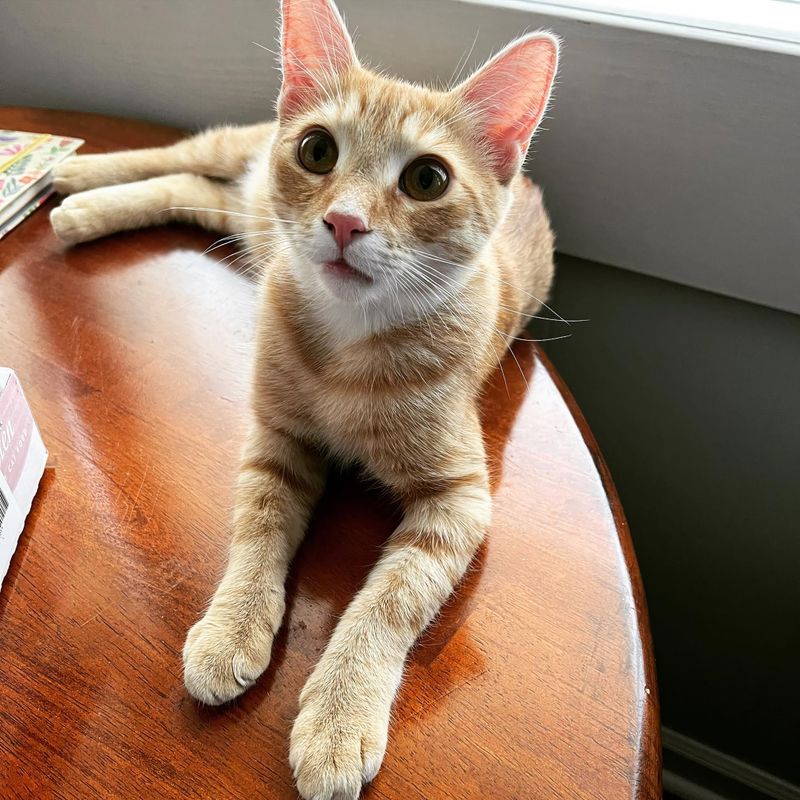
column 27, row 209
column 27, row 158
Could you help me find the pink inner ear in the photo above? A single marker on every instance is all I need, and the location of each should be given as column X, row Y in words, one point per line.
column 510, row 95
column 315, row 46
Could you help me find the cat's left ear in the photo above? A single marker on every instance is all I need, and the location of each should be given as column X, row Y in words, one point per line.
column 315, row 48
column 508, row 96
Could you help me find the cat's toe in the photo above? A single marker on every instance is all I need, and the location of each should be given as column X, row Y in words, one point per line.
column 220, row 661
column 79, row 173
column 73, row 223
column 334, row 749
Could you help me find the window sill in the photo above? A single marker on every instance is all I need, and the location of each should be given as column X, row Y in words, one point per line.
column 773, row 25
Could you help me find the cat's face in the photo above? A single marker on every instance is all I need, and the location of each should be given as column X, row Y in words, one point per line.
column 385, row 190
column 391, row 191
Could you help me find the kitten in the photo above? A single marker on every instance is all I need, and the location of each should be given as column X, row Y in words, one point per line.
column 403, row 249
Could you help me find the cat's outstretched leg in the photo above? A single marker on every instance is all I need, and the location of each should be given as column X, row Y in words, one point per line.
column 340, row 735
column 280, row 481
column 216, row 153
column 100, row 212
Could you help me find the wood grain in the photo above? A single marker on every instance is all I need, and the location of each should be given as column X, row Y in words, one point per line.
column 537, row 681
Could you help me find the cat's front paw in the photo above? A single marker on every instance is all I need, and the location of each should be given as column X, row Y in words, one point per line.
column 79, row 173
column 223, row 657
column 337, row 743
column 80, row 218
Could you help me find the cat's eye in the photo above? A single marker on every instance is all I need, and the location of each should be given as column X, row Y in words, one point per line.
column 424, row 179
column 318, row 151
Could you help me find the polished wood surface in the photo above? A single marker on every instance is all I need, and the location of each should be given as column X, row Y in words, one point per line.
column 536, row 681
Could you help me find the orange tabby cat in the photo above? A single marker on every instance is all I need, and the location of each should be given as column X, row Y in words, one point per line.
column 402, row 248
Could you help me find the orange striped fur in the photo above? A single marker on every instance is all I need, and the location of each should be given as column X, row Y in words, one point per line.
column 382, row 370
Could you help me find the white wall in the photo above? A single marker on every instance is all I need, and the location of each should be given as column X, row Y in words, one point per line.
column 670, row 156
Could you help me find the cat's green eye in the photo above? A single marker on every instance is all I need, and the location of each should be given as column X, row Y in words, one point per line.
column 424, row 179
column 317, row 151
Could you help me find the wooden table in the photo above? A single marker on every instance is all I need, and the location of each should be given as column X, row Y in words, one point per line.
column 537, row 680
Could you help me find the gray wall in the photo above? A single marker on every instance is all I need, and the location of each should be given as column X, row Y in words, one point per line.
column 660, row 154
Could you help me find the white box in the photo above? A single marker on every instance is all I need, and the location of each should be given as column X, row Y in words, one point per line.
column 22, row 460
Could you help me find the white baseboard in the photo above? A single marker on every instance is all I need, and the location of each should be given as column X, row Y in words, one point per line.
column 720, row 764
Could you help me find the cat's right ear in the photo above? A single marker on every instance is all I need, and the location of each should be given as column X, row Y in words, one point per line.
column 315, row 48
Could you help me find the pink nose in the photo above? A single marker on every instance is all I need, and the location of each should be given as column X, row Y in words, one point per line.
column 343, row 226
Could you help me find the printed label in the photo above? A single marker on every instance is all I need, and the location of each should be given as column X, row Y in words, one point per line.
column 16, row 429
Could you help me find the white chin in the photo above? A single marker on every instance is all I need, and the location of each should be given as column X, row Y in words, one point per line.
column 345, row 285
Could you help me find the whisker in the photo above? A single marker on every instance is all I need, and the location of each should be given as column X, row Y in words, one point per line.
column 237, row 237
column 505, row 336
column 460, row 67
column 437, row 273
column 508, row 283
column 256, row 254
column 543, row 319
column 530, row 339
column 519, row 367
column 232, row 213
column 264, row 47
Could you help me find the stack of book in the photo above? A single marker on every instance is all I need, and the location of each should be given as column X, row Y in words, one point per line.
column 22, row 461
column 26, row 167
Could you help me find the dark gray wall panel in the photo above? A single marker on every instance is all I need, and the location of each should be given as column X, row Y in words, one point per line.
column 695, row 401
